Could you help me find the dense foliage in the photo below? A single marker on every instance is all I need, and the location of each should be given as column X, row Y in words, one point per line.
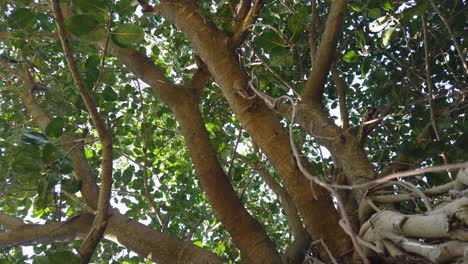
column 380, row 60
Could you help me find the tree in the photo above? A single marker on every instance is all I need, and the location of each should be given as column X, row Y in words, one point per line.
column 214, row 131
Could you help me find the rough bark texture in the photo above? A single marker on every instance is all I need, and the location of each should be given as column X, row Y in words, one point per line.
column 248, row 235
column 262, row 125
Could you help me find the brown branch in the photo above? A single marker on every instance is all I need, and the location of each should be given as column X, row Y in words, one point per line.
column 29, row 234
column 233, row 154
column 295, row 251
column 97, row 231
column 103, row 54
column 200, row 77
column 313, row 90
column 313, row 33
column 145, row 165
column 427, row 62
column 243, row 25
column 10, row 222
column 262, row 124
column 145, row 7
column 341, row 92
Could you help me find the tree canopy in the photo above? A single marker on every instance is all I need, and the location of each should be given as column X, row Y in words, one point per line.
column 250, row 131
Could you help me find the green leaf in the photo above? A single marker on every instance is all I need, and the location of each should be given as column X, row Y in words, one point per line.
column 351, row 56
column 281, row 56
column 21, row 18
column 109, row 94
column 71, row 185
column 388, row 6
column 128, row 34
column 49, row 153
column 365, row 66
column 65, row 166
column 126, row 7
column 360, row 39
column 269, row 40
column 386, row 36
column 55, row 127
column 356, row 7
column 81, row 24
column 373, row 13
column 198, row 243
column 91, row 6
column 379, row 24
column 57, row 257
column 34, row 138
column 297, row 22
column 88, row 153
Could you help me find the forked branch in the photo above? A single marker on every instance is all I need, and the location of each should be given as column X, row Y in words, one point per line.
column 100, row 223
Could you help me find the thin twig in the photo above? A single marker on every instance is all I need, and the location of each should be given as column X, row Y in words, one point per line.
column 430, row 91
column 145, row 166
column 233, row 154
column 103, row 55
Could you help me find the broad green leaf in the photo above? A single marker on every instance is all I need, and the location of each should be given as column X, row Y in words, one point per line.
column 109, row 94
column 373, row 13
column 49, row 153
column 269, row 40
column 34, row 138
column 89, row 153
column 356, row 7
column 71, row 185
column 26, row 165
column 91, row 6
column 297, row 22
column 198, row 243
column 126, row 7
column 57, row 257
column 360, row 39
column 351, row 56
column 281, row 56
column 365, row 66
column 81, row 24
column 388, row 6
column 55, row 127
column 386, row 36
column 128, row 34
column 65, row 166
column 22, row 19
column 379, row 24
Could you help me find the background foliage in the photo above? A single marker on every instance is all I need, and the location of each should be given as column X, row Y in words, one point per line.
column 380, row 57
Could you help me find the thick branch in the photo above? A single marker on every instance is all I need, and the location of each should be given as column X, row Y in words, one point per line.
column 295, row 251
column 326, row 52
column 145, row 241
column 345, row 148
column 10, row 222
column 249, row 236
column 260, row 122
column 341, row 92
column 246, row 21
column 97, row 231
column 29, row 234
column 313, row 33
